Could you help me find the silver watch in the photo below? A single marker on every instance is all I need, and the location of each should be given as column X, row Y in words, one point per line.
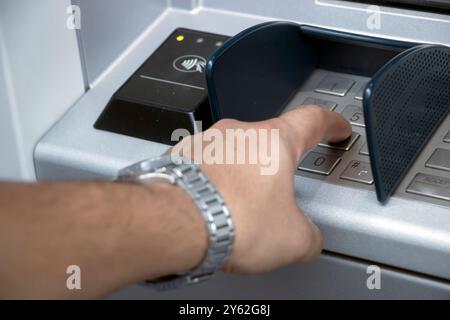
column 190, row 178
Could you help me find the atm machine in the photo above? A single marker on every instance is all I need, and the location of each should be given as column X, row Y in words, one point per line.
column 87, row 102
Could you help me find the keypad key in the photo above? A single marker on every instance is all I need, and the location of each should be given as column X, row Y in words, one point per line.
column 359, row 95
column 358, row 171
column 343, row 145
column 447, row 137
column 320, row 163
column 330, row 105
column 440, row 159
column 430, row 186
column 334, row 85
column 364, row 150
column 354, row 114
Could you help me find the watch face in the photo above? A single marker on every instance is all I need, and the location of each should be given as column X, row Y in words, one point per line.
column 145, row 166
column 151, row 169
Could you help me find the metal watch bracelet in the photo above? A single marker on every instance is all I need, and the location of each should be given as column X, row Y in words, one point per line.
column 212, row 207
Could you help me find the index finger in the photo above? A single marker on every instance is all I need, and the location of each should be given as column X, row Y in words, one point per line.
column 306, row 126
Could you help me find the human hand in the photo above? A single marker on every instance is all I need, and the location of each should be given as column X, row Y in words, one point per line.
column 271, row 231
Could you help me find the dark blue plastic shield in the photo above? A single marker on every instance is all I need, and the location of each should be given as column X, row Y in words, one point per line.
column 255, row 74
column 403, row 105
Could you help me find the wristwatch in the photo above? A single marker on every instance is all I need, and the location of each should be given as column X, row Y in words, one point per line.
column 182, row 172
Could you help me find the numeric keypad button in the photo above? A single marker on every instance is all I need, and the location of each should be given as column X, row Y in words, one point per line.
column 320, row 163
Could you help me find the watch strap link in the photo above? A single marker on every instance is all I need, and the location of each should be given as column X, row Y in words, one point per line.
column 217, row 219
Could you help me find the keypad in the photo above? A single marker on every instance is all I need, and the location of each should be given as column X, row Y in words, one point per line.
column 334, row 93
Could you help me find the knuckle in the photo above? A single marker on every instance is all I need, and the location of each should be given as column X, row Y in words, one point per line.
column 225, row 123
column 270, row 124
column 315, row 111
column 284, row 123
column 316, row 117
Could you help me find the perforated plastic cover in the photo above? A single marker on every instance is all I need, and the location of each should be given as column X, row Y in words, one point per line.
column 403, row 105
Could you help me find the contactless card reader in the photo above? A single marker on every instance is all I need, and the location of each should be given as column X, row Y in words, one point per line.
column 167, row 92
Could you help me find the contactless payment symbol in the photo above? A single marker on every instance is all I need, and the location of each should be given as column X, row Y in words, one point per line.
column 190, row 63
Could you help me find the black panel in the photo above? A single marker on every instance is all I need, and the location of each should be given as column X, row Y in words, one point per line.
column 167, row 92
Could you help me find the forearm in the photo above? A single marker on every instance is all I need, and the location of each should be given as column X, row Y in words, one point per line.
column 116, row 233
column 120, row 234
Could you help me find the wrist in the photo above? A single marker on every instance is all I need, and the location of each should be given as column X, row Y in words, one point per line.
column 177, row 231
column 172, row 228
